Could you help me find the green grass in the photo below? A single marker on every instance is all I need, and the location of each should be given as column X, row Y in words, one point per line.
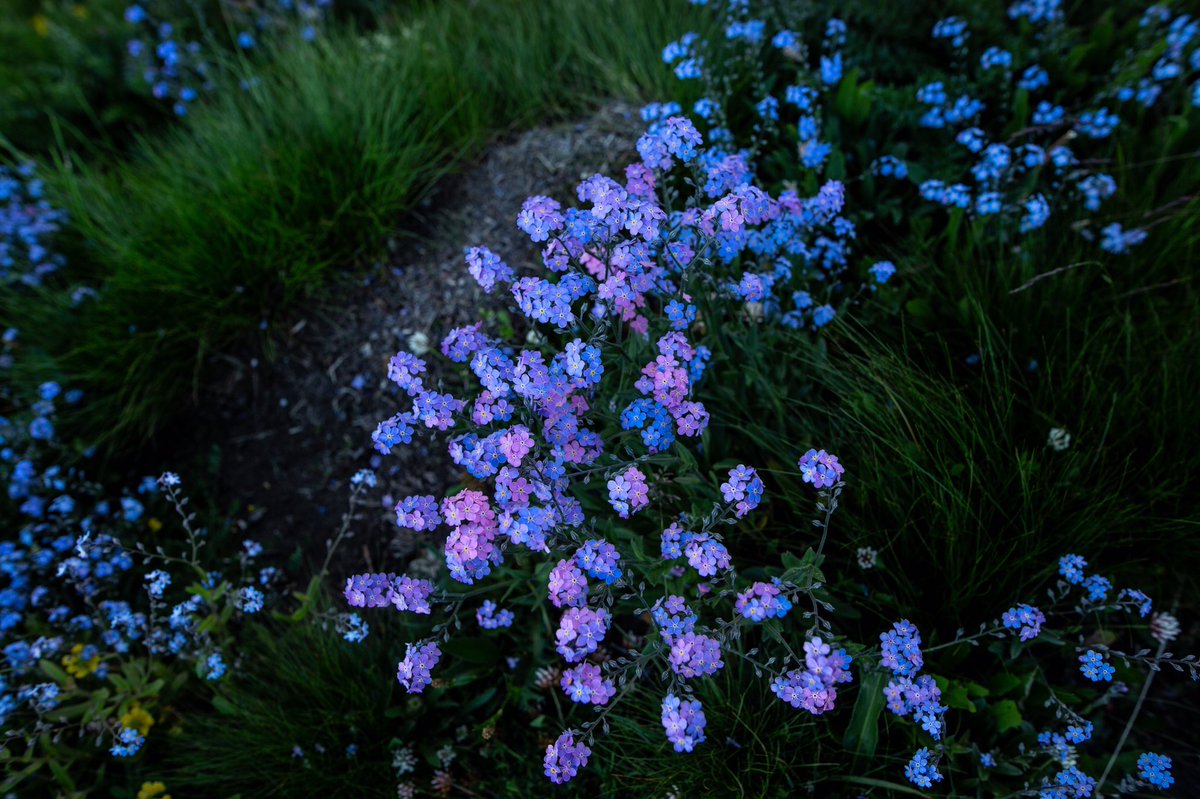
column 220, row 224
column 950, row 474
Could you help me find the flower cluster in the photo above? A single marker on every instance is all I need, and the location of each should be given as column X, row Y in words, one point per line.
column 683, row 721
column 565, row 757
column 381, row 590
column 1155, row 769
column 921, row 770
column 27, row 224
column 814, row 688
column 1019, row 132
column 762, row 601
column 177, row 68
column 743, row 489
column 415, row 672
column 1026, row 619
column 490, row 618
column 570, row 435
column 820, row 468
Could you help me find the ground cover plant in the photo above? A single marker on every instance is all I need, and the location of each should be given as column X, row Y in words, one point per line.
column 836, row 441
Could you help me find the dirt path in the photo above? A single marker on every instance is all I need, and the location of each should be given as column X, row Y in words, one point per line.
column 293, row 428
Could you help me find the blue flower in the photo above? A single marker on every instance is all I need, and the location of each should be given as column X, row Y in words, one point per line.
column 1155, row 769
column 128, row 742
column 882, row 271
column 1095, row 667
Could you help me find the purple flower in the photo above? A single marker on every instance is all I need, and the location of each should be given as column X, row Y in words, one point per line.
column 584, row 684
column 599, row 559
column 411, row 595
column 580, row 632
column 706, row 555
column 813, row 688
column 744, row 488
column 516, row 443
column 404, row 369
column 539, row 217
column 673, row 617
column 463, row 342
column 381, row 590
column 564, row 758
column 369, row 590
column 681, row 138
column 628, row 492
column 487, row 268
column 684, row 722
column 414, row 672
column 695, row 655
column 820, row 468
column 762, row 601
column 418, row 513
column 568, row 587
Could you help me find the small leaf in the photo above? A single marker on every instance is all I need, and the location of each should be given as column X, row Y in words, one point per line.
column 1006, row 714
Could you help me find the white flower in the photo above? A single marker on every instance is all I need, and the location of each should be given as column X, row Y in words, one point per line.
column 867, row 557
column 1164, row 627
column 418, row 343
column 1059, row 439
column 404, row 761
column 446, row 755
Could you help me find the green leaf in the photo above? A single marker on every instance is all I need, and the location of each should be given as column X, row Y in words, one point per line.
column 1004, row 684
column 1006, row 714
column 862, row 735
column 955, row 696
column 790, row 561
column 54, row 672
column 224, row 706
column 60, row 773
column 921, row 310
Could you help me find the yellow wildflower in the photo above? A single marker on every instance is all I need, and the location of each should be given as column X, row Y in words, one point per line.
column 41, row 26
column 153, row 790
column 154, row 524
column 138, row 719
column 76, row 666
